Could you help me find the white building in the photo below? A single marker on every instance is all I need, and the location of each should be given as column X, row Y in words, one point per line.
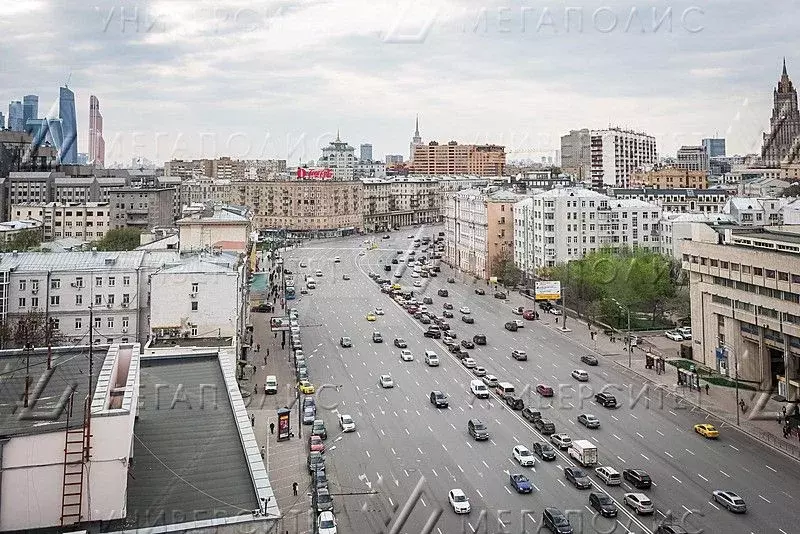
column 680, row 200
column 225, row 228
column 340, row 158
column 465, row 227
column 87, row 221
column 754, row 211
column 197, row 299
column 365, row 168
column 617, row 153
column 675, row 227
column 562, row 225
column 52, row 484
column 791, row 212
column 693, row 158
column 9, row 230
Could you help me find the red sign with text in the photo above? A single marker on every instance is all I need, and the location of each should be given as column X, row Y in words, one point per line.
column 314, row 174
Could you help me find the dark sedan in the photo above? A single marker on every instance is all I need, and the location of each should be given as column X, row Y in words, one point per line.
column 578, row 477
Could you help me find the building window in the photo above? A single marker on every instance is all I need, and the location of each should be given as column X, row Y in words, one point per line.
column 98, row 322
column 78, row 323
column 55, row 283
column 55, row 300
column 22, row 302
column 56, row 323
column 783, row 277
column 126, row 280
column 745, row 269
column 124, row 322
column 22, row 285
column 34, row 285
column 98, row 281
column 714, row 263
column 126, row 298
column 78, row 300
column 79, row 282
column 758, row 271
column 195, row 287
column 194, row 331
column 194, row 306
column 770, row 273
column 110, row 322
column 98, row 300
column 735, row 267
column 112, row 281
column 723, row 264
column 110, row 299
column 34, row 302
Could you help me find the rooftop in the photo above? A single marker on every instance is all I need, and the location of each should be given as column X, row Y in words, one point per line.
column 85, row 261
column 571, row 192
column 46, row 410
column 689, row 192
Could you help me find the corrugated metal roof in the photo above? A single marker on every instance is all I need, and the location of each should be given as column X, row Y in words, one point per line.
column 86, row 261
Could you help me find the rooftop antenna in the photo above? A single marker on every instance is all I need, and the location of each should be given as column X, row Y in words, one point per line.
column 69, row 77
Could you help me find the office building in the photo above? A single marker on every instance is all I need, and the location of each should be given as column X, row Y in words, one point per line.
column 369, row 169
column 616, row 154
column 693, row 158
column 68, row 148
column 781, row 143
column 563, row 225
column 2, row 121
column 30, row 108
column 340, row 158
column 674, row 227
column 744, row 288
column 394, row 159
column 677, row 200
column 479, row 230
column 754, row 211
column 715, row 147
column 87, row 221
column 97, row 145
column 16, row 116
column 576, row 156
column 365, row 153
column 452, row 158
column 142, row 208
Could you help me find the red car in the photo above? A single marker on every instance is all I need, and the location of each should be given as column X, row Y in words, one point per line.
column 412, row 310
column 529, row 315
column 316, row 444
column 544, row 391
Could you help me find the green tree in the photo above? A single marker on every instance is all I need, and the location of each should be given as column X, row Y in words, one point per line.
column 506, row 271
column 791, row 191
column 119, row 239
column 25, row 240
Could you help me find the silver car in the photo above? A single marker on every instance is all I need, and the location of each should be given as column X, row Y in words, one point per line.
column 324, row 501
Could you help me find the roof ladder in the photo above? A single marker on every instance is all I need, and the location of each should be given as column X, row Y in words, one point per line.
column 76, row 454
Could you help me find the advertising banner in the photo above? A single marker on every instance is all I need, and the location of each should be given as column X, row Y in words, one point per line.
column 548, row 290
column 279, row 324
column 314, row 174
column 284, row 430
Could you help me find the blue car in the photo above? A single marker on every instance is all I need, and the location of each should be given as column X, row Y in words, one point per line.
column 521, row 483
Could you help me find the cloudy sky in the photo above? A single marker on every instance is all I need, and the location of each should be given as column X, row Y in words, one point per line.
column 259, row 79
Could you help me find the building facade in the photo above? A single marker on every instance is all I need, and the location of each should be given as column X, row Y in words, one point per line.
column 744, row 295
column 68, row 148
column 97, row 145
column 677, row 200
column 616, row 154
column 88, row 221
column 670, row 178
column 563, row 225
column 220, row 228
column 452, row 158
column 340, row 158
column 693, row 158
column 365, row 152
column 754, row 211
column 781, row 142
column 30, row 108
column 576, row 157
column 715, row 147
column 142, row 208
column 674, row 227
column 16, row 121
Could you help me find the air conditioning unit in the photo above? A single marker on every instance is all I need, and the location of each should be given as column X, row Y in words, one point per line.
column 193, row 295
column 109, row 305
column 74, row 284
column 124, row 304
column 124, row 330
column 35, row 291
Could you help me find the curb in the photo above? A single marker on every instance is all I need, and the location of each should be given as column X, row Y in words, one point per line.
column 718, row 416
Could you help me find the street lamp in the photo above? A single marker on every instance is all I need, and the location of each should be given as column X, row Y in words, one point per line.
column 628, row 335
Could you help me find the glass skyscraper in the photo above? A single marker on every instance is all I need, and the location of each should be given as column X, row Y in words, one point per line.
column 714, row 147
column 15, row 116
column 30, row 108
column 68, row 147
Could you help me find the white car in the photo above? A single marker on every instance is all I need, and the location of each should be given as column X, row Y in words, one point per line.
column 326, row 523
column 555, row 311
column 406, row 355
column 459, row 502
column 386, row 381
column 479, row 371
column 417, row 283
column 524, row 456
column 423, row 309
column 685, row 331
column 346, row 423
column 414, row 274
column 580, row 375
column 639, row 502
column 336, row 259
column 674, row 336
column 465, row 310
column 398, row 274
column 469, row 363
column 378, row 311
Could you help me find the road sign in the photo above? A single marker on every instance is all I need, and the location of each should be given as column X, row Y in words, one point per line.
column 548, row 290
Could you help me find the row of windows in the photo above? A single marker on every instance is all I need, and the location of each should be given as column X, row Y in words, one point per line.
column 55, row 283
column 79, row 234
column 55, row 300
column 758, row 290
column 744, row 269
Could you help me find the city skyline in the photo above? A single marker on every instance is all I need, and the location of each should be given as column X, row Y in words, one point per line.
column 198, row 91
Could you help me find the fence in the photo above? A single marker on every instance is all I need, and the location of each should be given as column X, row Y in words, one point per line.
column 782, row 444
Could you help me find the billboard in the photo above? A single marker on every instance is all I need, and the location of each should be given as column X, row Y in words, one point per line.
column 548, row 290
column 279, row 324
column 314, row 174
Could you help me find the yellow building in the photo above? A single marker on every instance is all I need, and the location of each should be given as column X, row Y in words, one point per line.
column 670, row 178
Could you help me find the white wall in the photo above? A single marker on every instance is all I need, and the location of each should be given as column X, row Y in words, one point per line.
column 198, row 235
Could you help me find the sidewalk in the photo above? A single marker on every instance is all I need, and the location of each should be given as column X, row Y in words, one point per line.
column 760, row 420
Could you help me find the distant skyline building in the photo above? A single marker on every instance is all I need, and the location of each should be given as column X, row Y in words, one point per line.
column 781, row 142
column 415, row 141
column 366, row 152
column 2, row 121
column 452, row 158
column 15, row 116
column 714, row 146
column 616, row 154
column 394, row 159
column 340, row 158
column 692, row 158
column 30, row 108
column 68, row 148
column 576, row 158
column 97, row 145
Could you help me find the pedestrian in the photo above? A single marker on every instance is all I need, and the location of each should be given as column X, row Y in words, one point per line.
column 252, row 420
column 272, row 428
column 784, row 411
column 779, row 417
column 265, row 360
column 706, row 389
column 283, row 344
column 258, row 348
column 255, row 388
column 294, row 488
column 262, row 452
column 267, row 351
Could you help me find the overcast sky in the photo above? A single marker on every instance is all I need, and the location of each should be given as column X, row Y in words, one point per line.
column 260, row 79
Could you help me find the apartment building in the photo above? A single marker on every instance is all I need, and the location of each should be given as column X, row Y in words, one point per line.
column 65, row 285
column 219, row 227
column 563, row 225
column 88, row 221
column 303, row 205
column 479, row 229
column 670, row 178
column 576, row 157
column 201, row 189
column 674, row 227
column 401, row 201
column 744, row 289
column 340, row 158
column 754, row 211
column 693, row 158
column 616, row 154
column 142, row 208
column 452, row 158
column 677, row 200
column 9, row 230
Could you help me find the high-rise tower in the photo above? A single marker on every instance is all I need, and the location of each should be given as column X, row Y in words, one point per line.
column 97, row 145
column 15, row 116
column 781, row 142
column 68, row 149
column 30, row 108
column 415, row 141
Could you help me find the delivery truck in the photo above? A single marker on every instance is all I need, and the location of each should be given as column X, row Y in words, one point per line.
column 584, row 451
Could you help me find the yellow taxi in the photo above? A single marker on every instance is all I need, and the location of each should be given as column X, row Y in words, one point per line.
column 396, row 287
column 306, row 387
column 371, row 316
column 707, row 431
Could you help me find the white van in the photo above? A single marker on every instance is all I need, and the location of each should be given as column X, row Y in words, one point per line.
column 504, row 389
column 271, row 385
column 609, row 475
column 479, row 389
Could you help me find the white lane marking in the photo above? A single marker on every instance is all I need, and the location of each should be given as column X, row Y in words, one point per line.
column 393, row 453
column 469, row 444
column 677, row 479
column 660, row 433
column 645, row 457
column 771, row 469
column 434, row 472
column 765, row 499
column 616, row 436
column 732, row 447
column 690, row 452
column 423, row 502
column 368, row 456
column 429, row 428
column 484, row 463
column 479, row 493
column 420, row 450
column 641, row 436
column 724, row 473
column 713, row 505
column 407, row 432
column 445, row 448
column 701, row 476
column 668, row 454
column 634, row 416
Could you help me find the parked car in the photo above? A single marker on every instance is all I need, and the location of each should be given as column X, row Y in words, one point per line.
column 674, row 335
column 500, row 295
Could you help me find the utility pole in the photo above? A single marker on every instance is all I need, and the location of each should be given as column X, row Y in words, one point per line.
column 736, row 382
column 563, row 309
column 630, row 354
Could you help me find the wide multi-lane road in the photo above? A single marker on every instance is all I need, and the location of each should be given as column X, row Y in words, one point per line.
column 402, row 439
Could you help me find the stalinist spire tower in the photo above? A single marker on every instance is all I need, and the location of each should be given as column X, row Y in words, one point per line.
column 784, row 123
column 415, row 141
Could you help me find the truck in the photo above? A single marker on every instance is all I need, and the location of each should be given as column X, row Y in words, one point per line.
column 584, row 451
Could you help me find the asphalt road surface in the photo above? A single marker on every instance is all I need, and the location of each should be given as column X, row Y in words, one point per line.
column 404, row 443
